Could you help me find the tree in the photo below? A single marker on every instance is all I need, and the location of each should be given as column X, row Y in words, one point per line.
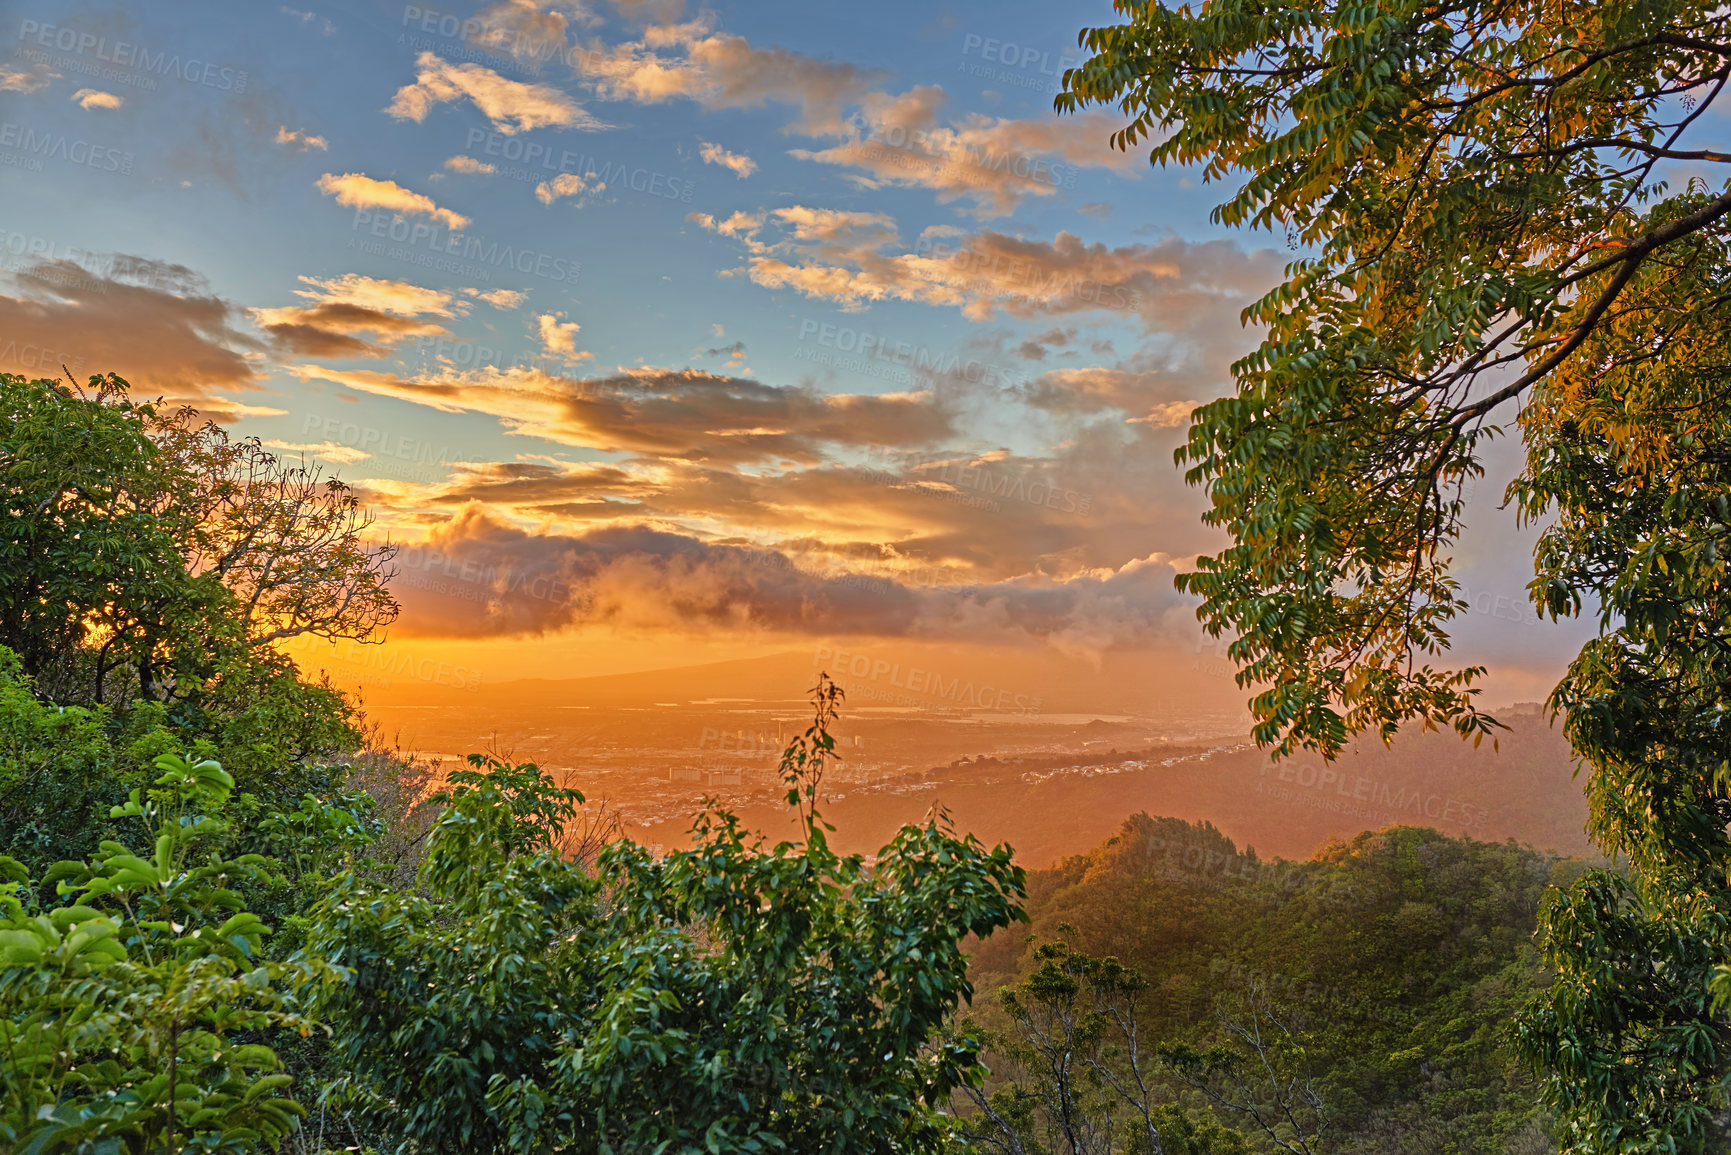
column 1259, row 1073
column 732, row 996
column 1082, row 1076
column 63, row 770
column 85, row 561
column 1397, row 960
column 1635, row 466
column 1480, row 193
column 1476, row 187
column 157, row 544
column 290, row 544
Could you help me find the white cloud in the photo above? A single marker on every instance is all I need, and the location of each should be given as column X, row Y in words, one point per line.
column 739, row 164
column 498, row 298
column 469, row 164
column 567, row 184
column 96, row 98
column 559, row 338
column 300, row 141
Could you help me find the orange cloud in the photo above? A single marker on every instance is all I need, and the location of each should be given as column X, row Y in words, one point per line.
column 468, row 164
column 88, row 98
column 32, row 78
column 403, row 298
column 156, row 324
column 916, row 516
column 332, row 451
column 889, row 139
column 328, row 330
column 992, row 161
column 1169, row 415
column 738, row 164
column 225, row 410
column 567, row 184
column 674, row 413
column 511, row 105
column 343, row 306
column 300, row 141
column 559, row 338
column 499, row 298
column 358, row 191
column 852, row 259
column 690, row 60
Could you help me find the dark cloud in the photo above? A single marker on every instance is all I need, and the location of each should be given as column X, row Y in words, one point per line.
column 328, row 329
column 478, row 577
column 681, row 414
column 1036, row 348
column 1105, row 498
column 154, row 323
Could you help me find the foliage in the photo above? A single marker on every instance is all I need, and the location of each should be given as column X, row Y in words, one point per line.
column 149, row 543
column 126, row 1009
column 733, row 996
column 64, row 768
column 1480, row 192
column 1635, row 471
column 1084, row 1077
column 1259, row 1074
column 1475, row 188
column 85, row 559
column 1628, row 1026
column 1392, row 963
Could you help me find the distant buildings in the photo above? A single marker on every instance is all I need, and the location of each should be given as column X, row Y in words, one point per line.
column 707, row 777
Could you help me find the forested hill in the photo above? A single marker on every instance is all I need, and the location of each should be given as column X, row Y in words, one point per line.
column 1398, row 956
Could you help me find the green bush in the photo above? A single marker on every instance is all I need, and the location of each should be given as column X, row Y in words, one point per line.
column 128, row 1008
column 734, row 996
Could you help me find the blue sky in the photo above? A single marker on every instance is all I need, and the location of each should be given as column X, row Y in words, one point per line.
column 708, row 311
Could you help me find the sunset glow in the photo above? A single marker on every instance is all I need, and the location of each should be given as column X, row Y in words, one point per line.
column 658, row 335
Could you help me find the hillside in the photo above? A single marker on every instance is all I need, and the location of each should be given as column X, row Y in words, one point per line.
column 1399, row 958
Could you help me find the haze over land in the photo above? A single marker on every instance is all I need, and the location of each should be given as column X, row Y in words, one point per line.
column 1054, row 776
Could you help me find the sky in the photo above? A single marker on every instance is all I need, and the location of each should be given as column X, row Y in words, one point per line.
column 657, row 334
